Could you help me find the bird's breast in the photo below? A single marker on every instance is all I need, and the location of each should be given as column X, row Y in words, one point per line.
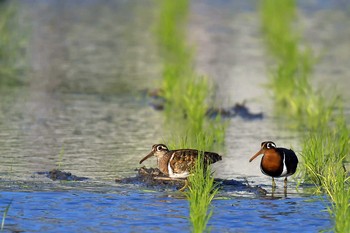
column 272, row 164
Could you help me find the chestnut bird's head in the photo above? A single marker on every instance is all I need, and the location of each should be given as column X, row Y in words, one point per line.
column 268, row 145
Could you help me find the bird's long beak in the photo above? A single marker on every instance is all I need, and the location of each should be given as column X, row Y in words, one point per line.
column 147, row 156
column 261, row 151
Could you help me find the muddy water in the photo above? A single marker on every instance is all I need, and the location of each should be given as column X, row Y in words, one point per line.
column 84, row 111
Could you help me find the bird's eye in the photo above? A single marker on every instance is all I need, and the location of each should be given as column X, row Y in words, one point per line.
column 159, row 148
column 270, row 145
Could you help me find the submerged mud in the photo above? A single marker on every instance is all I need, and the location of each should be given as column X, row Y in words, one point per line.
column 239, row 110
column 56, row 174
column 153, row 178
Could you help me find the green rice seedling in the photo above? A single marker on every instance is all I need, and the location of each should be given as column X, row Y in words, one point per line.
column 336, row 184
column 59, row 162
column 333, row 180
column 289, row 83
column 12, row 41
column 340, row 211
column 170, row 33
column 200, row 194
column 202, row 189
column 186, row 95
column 276, row 17
column 169, row 29
column 322, row 148
column 326, row 146
column 194, row 102
column 201, row 183
column 5, row 215
column 289, row 80
column 325, row 150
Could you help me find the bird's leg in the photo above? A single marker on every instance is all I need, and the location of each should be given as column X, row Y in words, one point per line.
column 273, row 183
column 285, row 187
column 185, row 186
column 172, row 179
column 164, row 178
column 285, row 182
column 273, row 186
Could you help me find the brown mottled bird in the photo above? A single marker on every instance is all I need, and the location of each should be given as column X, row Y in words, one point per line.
column 178, row 163
column 276, row 161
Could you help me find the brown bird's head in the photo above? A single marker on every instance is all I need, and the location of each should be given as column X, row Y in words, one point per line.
column 158, row 150
column 268, row 145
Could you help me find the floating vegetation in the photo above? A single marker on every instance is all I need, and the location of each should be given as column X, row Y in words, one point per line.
column 326, row 143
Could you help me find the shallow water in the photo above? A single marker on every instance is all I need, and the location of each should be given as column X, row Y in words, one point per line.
column 123, row 210
column 84, row 111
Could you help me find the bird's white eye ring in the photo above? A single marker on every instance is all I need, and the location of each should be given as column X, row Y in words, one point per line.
column 270, row 145
column 159, row 148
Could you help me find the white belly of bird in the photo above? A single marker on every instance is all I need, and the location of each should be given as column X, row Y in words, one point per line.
column 284, row 172
column 176, row 175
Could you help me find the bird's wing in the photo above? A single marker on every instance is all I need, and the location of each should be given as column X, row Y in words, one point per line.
column 183, row 160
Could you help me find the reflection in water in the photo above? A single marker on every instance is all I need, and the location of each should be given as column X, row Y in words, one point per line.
column 285, row 215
